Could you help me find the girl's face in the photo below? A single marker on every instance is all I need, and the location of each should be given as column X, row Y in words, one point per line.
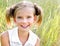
column 24, row 18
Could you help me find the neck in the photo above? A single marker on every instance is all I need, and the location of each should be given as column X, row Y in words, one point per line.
column 23, row 33
column 23, row 36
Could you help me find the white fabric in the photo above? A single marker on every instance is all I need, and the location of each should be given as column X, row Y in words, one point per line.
column 14, row 39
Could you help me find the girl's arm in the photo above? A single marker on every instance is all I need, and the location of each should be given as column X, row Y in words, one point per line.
column 4, row 39
column 38, row 42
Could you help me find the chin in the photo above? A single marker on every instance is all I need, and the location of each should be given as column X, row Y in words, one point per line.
column 24, row 29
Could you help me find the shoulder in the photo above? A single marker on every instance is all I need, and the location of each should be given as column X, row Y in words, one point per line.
column 33, row 35
column 4, row 39
column 4, row 35
column 35, row 38
column 38, row 42
column 12, row 31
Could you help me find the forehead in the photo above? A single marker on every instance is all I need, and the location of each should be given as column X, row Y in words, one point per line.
column 25, row 11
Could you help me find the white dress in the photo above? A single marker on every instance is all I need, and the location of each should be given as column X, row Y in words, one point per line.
column 14, row 39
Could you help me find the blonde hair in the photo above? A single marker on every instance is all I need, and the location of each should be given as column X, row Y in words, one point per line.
column 10, row 12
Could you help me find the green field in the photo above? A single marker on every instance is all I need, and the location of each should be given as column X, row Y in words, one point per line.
column 49, row 30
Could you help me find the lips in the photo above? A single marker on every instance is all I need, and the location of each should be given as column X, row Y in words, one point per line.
column 24, row 26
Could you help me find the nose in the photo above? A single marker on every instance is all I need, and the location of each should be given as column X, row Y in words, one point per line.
column 24, row 20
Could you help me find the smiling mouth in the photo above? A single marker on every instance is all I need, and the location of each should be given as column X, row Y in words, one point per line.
column 24, row 26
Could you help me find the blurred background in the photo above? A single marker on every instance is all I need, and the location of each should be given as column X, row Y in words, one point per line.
column 49, row 30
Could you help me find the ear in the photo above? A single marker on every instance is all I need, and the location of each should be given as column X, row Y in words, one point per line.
column 14, row 20
column 35, row 18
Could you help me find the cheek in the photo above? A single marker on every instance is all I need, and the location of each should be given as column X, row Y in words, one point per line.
column 17, row 21
column 31, row 20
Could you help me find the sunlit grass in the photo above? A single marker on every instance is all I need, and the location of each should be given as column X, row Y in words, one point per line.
column 50, row 27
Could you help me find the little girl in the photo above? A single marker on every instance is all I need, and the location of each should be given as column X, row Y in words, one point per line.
column 24, row 14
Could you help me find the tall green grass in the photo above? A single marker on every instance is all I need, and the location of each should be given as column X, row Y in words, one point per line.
column 49, row 30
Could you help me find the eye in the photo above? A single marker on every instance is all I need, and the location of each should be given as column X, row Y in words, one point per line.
column 19, row 17
column 29, row 17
